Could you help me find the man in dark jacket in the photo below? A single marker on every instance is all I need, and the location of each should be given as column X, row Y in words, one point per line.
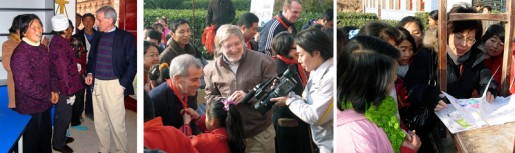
column 180, row 43
column 179, row 93
column 220, row 12
column 85, row 36
column 284, row 21
column 110, row 71
column 248, row 24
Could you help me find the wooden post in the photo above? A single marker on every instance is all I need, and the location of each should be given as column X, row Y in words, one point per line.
column 442, row 44
column 508, row 48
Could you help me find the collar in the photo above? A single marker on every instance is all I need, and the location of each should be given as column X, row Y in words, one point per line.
column 284, row 19
column 154, row 124
column 318, row 73
column 35, row 44
column 112, row 30
column 219, row 131
column 176, row 46
column 347, row 116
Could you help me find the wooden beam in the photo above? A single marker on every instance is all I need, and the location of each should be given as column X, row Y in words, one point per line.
column 508, row 50
column 478, row 16
column 442, row 45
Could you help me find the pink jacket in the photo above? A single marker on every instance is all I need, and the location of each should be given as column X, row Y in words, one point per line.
column 356, row 134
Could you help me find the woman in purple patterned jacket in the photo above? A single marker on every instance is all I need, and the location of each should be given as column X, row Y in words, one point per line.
column 63, row 58
column 34, row 84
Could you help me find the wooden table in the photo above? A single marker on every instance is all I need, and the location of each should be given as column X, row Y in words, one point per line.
column 494, row 139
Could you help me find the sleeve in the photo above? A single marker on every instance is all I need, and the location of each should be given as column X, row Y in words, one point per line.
column 130, row 59
column 484, row 75
column 91, row 55
column 270, row 70
column 23, row 78
column 7, row 52
column 269, row 37
column 416, row 82
column 212, row 92
column 57, row 63
column 319, row 111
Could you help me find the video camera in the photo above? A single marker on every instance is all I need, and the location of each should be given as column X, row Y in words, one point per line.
column 268, row 89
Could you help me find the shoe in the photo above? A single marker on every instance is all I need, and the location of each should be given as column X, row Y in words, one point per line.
column 80, row 128
column 69, row 140
column 65, row 149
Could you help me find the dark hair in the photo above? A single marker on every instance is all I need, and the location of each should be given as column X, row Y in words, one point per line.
column 247, row 19
column 460, row 26
column 434, row 15
column 287, row 3
column 148, row 108
column 232, row 122
column 157, row 26
column 159, row 73
column 149, row 28
column 154, row 34
column 405, row 35
column 147, row 45
column 381, row 30
column 88, row 15
column 313, row 40
column 409, row 19
column 25, row 22
column 16, row 24
column 488, row 8
column 78, row 15
column 328, row 14
column 371, row 61
column 176, row 23
column 70, row 23
column 493, row 30
column 282, row 42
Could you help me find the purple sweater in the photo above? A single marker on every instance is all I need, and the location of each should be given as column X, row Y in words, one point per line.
column 63, row 60
column 31, row 67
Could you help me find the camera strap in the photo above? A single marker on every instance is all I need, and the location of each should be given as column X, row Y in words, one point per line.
column 178, row 94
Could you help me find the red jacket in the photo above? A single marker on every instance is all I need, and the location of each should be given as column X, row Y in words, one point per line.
column 492, row 63
column 214, row 141
column 166, row 138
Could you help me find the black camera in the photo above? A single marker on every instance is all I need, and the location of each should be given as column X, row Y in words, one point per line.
column 274, row 87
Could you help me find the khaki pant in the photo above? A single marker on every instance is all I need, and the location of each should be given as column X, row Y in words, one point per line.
column 109, row 114
column 263, row 142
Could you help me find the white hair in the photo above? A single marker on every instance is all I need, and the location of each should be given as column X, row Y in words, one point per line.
column 109, row 13
column 180, row 64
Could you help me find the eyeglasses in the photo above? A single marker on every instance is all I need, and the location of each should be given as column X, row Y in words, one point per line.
column 229, row 46
column 469, row 41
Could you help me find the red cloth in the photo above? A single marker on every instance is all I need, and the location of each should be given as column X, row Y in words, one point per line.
column 208, row 38
column 214, row 141
column 402, row 93
column 407, row 150
column 166, row 138
column 302, row 73
column 492, row 63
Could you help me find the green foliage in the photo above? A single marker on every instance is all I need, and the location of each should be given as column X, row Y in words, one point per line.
column 243, row 5
column 355, row 19
column 161, row 4
column 423, row 16
column 199, row 24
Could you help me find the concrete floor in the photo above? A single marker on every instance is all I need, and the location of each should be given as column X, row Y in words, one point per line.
column 87, row 141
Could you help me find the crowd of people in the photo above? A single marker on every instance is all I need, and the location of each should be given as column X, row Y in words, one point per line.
column 398, row 66
column 70, row 70
column 233, row 116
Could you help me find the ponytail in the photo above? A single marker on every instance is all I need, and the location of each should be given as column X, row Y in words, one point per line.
column 229, row 117
column 234, row 128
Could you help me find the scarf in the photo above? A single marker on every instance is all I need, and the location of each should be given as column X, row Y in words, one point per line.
column 303, row 74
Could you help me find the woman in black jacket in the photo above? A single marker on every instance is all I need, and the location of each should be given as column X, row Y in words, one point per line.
column 466, row 71
column 292, row 134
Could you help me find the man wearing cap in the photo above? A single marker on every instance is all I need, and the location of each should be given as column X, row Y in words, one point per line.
column 67, row 75
column 479, row 6
column 110, row 70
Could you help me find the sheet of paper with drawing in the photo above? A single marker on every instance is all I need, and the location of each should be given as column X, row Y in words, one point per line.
column 473, row 113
